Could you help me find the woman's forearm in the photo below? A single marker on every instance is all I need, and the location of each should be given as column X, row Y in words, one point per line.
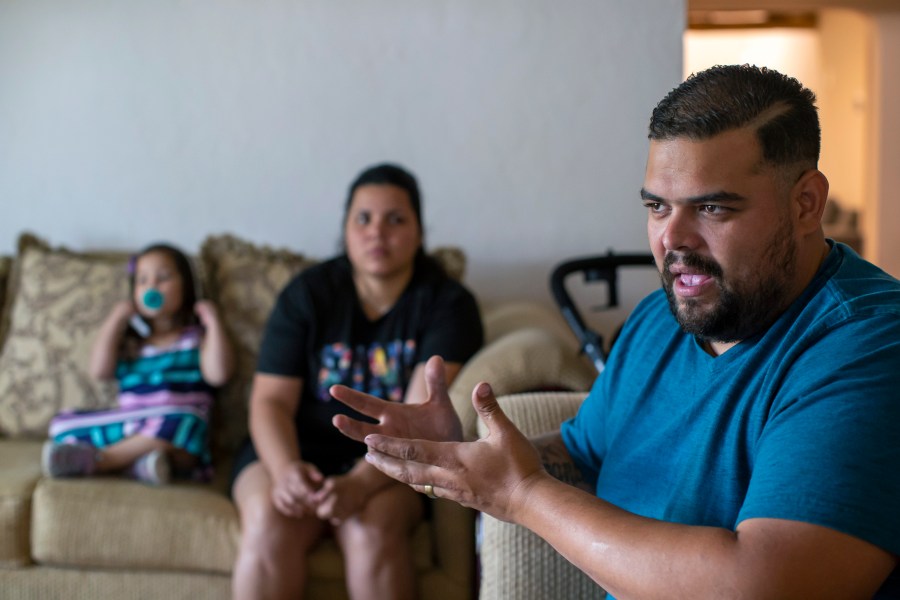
column 274, row 436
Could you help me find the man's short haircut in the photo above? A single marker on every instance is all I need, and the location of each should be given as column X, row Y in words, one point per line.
column 723, row 98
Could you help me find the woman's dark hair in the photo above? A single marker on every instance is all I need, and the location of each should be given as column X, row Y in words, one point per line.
column 722, row 98
column 184, row 316
column 388, row 174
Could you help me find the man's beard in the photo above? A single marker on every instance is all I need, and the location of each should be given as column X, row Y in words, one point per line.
column 744, row 308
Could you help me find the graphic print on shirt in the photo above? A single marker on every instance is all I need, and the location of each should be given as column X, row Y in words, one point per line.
column 381, row 369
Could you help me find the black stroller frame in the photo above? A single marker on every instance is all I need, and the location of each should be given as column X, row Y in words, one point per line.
column 594, row 268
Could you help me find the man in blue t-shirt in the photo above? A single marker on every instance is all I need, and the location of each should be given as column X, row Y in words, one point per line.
column 743, row 439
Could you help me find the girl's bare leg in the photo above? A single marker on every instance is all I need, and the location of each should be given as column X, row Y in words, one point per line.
column 123, row 454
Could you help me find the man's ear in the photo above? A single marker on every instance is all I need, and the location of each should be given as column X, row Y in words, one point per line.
column 808, row 198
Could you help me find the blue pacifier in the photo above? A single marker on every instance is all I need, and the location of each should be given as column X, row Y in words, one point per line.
column 153, row 299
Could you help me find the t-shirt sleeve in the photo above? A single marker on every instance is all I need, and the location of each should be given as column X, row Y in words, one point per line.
column 581, row 434
column 286, row 333
column 453, row 331
column 830, row 452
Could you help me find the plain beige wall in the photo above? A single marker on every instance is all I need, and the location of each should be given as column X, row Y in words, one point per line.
column 883, row 224
column 845, row 103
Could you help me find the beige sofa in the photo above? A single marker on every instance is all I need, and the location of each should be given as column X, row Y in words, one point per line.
column 113, row 538
column 516, row 563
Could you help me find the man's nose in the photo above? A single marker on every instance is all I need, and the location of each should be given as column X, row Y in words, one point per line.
column 681, row 231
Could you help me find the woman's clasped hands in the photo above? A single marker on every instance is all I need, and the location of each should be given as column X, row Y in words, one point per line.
column 301, row 490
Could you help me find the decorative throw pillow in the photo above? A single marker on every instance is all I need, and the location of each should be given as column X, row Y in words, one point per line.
column 56, row 301
column 244, row 281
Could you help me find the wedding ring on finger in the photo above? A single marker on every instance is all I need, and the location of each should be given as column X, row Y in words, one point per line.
column 429, row 490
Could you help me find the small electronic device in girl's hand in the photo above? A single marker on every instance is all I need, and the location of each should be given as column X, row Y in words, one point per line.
column 139, row 325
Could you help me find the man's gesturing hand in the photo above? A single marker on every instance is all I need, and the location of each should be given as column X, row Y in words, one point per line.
column 433, row 419
column 492, row 474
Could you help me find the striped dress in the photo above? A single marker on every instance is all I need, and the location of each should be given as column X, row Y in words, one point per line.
column 162, row 395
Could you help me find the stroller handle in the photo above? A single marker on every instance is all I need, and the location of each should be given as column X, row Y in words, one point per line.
column 595, row 268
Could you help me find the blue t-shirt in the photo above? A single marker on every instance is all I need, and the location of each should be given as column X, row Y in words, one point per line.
column 799, row 422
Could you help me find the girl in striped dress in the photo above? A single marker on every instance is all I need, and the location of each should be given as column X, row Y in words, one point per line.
column 167, row 350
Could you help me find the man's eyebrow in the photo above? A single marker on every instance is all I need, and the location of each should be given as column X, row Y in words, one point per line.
column 704, row 199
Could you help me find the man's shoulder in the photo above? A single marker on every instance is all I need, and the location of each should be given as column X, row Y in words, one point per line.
column 860, row 288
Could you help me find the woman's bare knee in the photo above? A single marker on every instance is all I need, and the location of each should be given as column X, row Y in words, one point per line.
column 263, row 527
column 387, row 519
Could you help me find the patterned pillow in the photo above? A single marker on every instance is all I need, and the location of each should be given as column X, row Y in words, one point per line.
column 56, row 301
column 244, row 281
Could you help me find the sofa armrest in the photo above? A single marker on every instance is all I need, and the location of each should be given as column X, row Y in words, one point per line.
column 516, row 563
column 524, row 360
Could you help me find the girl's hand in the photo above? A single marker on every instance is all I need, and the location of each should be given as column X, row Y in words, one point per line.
column 294, row 491
column 339, row 498
column 207, row 313
column 122, row 311
column 105, row 351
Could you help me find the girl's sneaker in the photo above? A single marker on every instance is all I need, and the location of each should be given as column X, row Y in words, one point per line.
column 68, row 460
column 152, row 468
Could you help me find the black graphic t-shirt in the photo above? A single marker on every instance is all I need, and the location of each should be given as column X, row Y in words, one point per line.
column 319, row 333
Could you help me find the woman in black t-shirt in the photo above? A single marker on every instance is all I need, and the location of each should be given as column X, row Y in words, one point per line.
column 368, row 319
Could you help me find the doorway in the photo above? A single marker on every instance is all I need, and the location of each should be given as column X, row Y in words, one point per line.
column 828, row 51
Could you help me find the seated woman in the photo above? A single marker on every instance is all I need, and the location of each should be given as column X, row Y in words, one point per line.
column 368, row 319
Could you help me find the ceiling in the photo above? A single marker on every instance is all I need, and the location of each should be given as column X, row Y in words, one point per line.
column 788, row 5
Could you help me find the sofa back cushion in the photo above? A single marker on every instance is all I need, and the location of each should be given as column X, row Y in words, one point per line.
column 244, row 282
column 56, row 300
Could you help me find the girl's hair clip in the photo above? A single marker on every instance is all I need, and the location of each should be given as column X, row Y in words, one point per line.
column 132, row 262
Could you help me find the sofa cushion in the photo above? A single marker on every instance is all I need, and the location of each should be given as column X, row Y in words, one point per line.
column 116, row 523
column 528, row 359
column 19, row 473
column 56, row 301
column 111, row 522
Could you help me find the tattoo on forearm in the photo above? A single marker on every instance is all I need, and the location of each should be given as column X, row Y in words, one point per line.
column 557, row 461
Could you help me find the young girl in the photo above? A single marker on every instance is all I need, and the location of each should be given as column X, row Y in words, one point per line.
column 167, row 350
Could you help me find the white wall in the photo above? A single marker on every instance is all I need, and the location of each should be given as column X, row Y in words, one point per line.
column 124, row 122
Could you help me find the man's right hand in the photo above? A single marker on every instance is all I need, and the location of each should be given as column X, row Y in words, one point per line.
column 433, row 419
